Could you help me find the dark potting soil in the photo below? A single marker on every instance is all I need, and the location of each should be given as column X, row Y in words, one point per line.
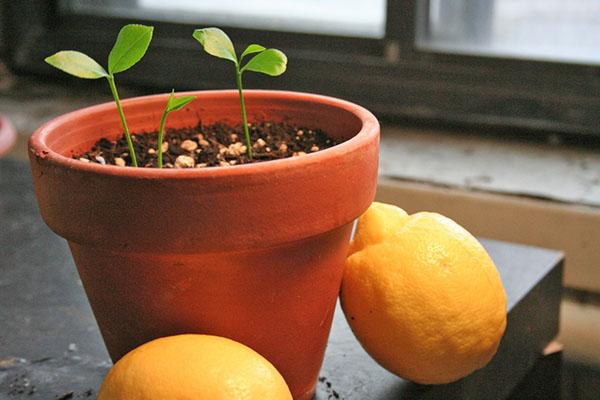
column 211, row 146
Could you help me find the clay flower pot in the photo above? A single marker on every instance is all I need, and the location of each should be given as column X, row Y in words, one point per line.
column 251, row 252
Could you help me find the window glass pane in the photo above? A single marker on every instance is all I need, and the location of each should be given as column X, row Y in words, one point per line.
column 553, row 30
column 360, row 18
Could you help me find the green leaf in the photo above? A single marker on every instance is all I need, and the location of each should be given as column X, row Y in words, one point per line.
column 77, row 64
column 253, row 48
column 216, row 43
column 271, row 62
column 171, row 97
column 131, row 45
column 179, row 102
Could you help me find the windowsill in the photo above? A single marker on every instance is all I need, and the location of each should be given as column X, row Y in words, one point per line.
column 471, row 162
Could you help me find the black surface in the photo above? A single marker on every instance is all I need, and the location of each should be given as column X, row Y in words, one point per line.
column 49, row 339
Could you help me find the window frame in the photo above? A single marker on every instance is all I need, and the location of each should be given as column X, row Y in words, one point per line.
column 390, row 76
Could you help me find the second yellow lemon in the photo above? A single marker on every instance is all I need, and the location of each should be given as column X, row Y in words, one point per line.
column 194, row 367
column 422, row 295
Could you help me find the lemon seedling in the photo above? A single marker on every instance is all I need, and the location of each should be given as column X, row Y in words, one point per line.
column 173, row 104
column 266, row 61
column 131, row 45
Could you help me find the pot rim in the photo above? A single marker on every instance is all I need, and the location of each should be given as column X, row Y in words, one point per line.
column 369, row 128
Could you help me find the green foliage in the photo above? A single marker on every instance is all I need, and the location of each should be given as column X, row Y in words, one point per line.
column 131, row 45
column 178, row 103
column 266, row 61
column 173, row 104
column 253, row 48
column 269, row 61
column 216, row 43
column 77, row 64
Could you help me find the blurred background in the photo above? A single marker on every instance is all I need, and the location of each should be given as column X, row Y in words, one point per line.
column 490, row 109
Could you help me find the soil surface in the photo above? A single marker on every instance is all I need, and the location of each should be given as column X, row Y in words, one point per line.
column 217, row 145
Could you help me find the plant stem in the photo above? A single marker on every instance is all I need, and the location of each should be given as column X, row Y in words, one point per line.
column 238, row 81
column 113, row 89
column 161, row 132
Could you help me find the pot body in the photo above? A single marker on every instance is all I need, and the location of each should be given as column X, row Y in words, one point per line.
column 278, row 301
column 252, row 252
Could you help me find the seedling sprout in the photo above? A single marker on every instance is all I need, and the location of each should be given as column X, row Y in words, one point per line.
column 266, row 61
column 173, row 104
column 131, row 45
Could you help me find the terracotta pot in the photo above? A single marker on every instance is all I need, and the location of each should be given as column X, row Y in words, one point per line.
column 8, row 135
column 251, row 252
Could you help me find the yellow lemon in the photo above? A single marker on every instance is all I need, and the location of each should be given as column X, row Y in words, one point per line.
column 193, row 367
column 422, row 295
